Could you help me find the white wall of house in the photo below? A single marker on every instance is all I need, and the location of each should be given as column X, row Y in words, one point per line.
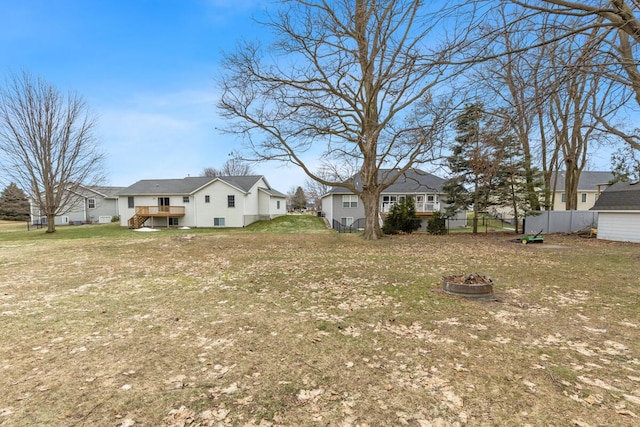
column 216, row 213
column 327, row 208
column 620, row 226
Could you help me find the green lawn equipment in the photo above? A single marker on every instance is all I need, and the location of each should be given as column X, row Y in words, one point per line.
column 533, row 239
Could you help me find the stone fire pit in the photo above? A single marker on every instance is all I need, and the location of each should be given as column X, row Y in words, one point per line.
column 472, row 286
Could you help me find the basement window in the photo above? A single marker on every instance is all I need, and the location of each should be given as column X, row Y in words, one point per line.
column 218, row 222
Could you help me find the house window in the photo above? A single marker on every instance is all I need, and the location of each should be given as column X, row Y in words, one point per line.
column 387, row 202
column 174, row 221
column 185, row 199
column 218, row 222
column 563, row 198
column 350, row 201
column 130, row 202
column 278, row 204
column 584, row 197
column 346, row 221
column 91, row 203
column 207, row 199
column 231, row 201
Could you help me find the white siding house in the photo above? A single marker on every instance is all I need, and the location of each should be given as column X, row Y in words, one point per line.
column 619, row 212
column 227, row 201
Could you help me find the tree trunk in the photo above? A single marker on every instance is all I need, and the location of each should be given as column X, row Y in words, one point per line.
column 51, row 223
column 371, row 201
column 476, row 202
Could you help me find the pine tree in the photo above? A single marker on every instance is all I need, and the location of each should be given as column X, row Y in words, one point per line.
column 14, row 205
column 511, row 189
column 472, row 165
column 299, row 200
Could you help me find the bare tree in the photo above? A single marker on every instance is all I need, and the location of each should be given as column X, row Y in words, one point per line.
column 620, row 20
column 349, row 82
column 47, row 144
column 232, row 167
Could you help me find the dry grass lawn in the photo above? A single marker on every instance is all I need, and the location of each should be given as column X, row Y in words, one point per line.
column 108, row 327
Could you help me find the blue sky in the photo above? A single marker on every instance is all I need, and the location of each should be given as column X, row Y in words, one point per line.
column 147, row 69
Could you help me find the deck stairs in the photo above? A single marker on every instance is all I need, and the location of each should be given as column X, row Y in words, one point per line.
column 136, row 221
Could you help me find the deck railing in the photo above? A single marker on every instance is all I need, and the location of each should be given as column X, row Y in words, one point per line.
column 420, row 207
column 160, row 210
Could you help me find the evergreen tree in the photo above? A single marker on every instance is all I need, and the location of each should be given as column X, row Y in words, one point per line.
column 511, row 188
column 299, row 200
column 472, row 165
column 401, row 217
column 14, row 205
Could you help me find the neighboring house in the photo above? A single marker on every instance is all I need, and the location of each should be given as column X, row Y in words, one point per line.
column 87, row 205
column 342, row 208
column 225, row 201
column 619, row 212
column 590, row 185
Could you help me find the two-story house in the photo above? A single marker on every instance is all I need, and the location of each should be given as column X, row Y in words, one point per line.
column 343, row 208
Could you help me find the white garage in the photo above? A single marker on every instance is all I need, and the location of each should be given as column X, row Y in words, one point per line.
column 618, row 210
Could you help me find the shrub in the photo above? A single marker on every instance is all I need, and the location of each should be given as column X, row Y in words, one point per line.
column 401, row 217
column 437, row 224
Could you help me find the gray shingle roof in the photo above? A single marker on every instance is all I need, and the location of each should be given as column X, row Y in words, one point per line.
column 185, row 186
column 589, row 180
column 623, row 196
column 412, row 181
column 110, row 192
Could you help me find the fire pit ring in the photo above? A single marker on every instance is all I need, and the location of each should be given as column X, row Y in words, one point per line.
column 471, row 286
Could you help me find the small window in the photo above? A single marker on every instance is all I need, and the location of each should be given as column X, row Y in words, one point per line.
column 174, row 221
column 278, row 204
column 91, row 203
column 207, row 199
column 231, row 201
column 130, row 202
column 584, row 197
column 218, row 222
column 185, row 199
column 350, row 201
column 564, row 198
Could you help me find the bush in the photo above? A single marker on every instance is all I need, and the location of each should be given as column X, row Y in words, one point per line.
column 437, row 224
column 401, row 217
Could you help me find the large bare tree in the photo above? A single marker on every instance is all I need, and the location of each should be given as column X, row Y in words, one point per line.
column 350, row 82
column 47, row 143
column 621, row 19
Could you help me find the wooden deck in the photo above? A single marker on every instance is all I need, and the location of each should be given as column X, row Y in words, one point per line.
column 143, row 213
column 160, row 211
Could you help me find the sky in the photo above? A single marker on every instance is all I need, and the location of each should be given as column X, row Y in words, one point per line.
column 147, row 70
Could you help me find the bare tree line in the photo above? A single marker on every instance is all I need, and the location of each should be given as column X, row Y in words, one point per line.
column 373, row 87
column 370, row 85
